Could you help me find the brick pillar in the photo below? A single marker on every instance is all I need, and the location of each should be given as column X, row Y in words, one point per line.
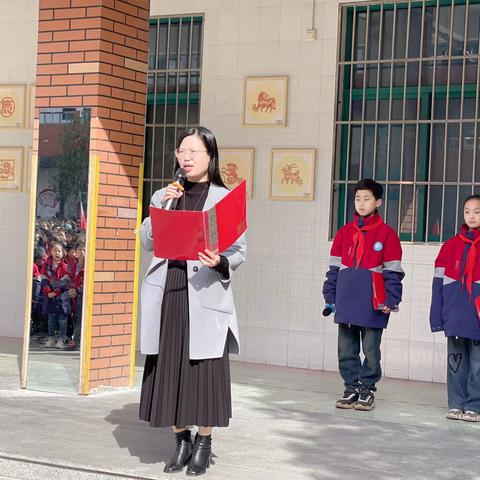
column 93, row 53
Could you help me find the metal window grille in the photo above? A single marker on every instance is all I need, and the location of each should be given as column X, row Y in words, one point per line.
column 407, row 112
column 173, row 94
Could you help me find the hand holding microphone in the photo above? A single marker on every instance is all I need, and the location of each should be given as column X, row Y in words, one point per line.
column 329, row 309
column 174, row 190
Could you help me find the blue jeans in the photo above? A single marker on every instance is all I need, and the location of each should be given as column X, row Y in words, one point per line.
column 463, row 373
column 57, row 320
column 357, row 375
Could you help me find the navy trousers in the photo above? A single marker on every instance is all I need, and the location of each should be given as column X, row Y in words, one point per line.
column 357, row 375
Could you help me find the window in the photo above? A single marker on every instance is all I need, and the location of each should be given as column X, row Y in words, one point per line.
column 173, row 94
column 407, row 113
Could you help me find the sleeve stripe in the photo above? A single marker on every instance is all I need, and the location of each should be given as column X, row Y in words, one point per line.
column 335, row 261
column 447, row 280
column 393, row 266
column 439, row 272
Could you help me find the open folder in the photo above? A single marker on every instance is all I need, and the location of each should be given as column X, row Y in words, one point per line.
column 180, row 235
column 378, row 290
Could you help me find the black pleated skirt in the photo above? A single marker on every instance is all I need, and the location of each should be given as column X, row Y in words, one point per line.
column 177, row 391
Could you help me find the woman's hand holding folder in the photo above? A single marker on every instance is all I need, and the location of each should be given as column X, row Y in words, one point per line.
column 208, row 258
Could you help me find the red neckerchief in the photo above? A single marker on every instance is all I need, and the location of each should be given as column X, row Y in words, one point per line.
column 70, row 261
column 358, row 239
column 467, row 277
column 71, row 268
column 78, row 279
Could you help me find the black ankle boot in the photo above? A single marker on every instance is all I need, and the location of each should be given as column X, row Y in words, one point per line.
column 182, row 454
column 202, row 450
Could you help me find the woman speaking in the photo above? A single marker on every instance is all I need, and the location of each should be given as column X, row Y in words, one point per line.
column 189, row 325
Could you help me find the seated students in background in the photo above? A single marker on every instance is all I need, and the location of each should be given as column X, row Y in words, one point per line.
column 365, row 259
column 60, row 234
column 39, row 257
column 56, row 302
column 455, row 310
column 69, row 233
column 75, row 292
column 71, row 262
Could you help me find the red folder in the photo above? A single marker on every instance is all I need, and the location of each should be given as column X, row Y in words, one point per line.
column 477, row 307
column 378, row 291
column 180, row 235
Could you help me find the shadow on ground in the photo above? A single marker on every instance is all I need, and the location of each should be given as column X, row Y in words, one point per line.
column 149, row 445
column 405, row 437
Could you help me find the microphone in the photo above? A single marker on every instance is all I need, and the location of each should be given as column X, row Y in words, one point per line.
column 179, row 178
column 328, row 310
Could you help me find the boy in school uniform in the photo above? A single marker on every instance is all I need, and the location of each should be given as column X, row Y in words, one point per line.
column 363, row 285
column 455, row 310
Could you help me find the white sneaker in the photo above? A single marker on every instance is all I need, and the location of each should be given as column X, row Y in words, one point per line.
column 50, row 343
column 469, row 416
column 454, row 414
column 59, row 343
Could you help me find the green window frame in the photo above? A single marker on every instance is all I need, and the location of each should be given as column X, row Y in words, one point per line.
column 173, row 94
column 408, row 73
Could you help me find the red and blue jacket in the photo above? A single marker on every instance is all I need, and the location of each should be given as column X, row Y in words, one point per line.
column 76, row 272
column 55, row 280
column 456, row 286
column 359, row 249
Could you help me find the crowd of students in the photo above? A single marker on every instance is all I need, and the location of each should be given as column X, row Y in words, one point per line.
column 57, row 285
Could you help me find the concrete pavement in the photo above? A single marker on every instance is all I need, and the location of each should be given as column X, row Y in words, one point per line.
column 285, row 426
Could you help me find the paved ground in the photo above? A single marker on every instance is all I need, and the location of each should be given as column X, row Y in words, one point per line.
column 285, row 426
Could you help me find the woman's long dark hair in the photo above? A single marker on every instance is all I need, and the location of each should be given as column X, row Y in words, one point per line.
column 208, row 139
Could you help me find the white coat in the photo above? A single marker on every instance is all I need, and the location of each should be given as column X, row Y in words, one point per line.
column 210, row 299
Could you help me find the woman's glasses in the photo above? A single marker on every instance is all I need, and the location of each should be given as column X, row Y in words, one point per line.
column 181, row 152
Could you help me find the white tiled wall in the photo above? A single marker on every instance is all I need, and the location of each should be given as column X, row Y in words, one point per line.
column 278, row 290
column 18, row 44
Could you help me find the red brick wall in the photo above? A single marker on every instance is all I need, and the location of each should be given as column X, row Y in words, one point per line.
column 93, row 53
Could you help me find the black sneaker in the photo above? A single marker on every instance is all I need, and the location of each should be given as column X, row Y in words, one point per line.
column 366, row 400
column 348, row 400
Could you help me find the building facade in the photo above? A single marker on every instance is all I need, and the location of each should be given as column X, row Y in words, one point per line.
column 383, row 90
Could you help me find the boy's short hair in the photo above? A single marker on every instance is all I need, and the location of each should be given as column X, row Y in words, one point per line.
column 80, row 244
column 471, row 197
column 371, row 185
